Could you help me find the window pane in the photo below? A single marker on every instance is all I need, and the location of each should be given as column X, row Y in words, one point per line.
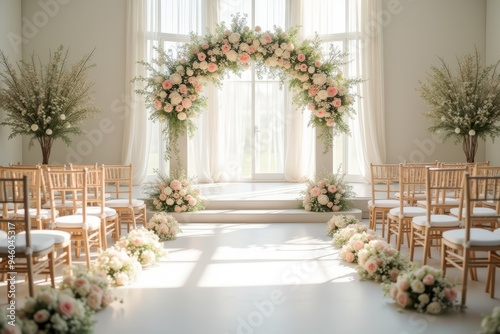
column 232, row 7
column 180, row 17
column 270, row 13
column 325, row 17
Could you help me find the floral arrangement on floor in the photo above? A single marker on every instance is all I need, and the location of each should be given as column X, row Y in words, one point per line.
column 9, row 325
column 464, row 105
column 338, row 222
column 91, row 288
column 142, row 244
column 164, row 226
column 342, row 236
column 173, row 93
column 173, row 194
column 327, row 193
column 491, row 322
column 424, row 289
column 119, row 267
column 380, row 262
column 53, row 311
column 47, row 102
column 356, row 243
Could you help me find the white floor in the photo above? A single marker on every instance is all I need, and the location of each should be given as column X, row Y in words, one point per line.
column 269, row 278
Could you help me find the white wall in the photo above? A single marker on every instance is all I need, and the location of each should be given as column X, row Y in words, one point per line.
column 82, row 25
column 492, row 56
column 10, row 27
column 413, row 40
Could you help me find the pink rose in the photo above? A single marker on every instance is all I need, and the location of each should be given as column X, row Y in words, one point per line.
column 311, row 107
column 303, row 67
column 179, row 108
column 329, row 204
column 332, row 188
column 94, row 301
column 403, row 284
column 315, row 192
column 177, row 208
column 336, row 208
column 244, row 58
column 358, row 245
column 192, row 201
column 371, row 266
column 403, row 299
column 428, row 279
column 198, row 88
column 317, row 63
column 301, row 57
column 41, row 316
column 176, row 184
column 337, row 102
column 332, row 91
column 225, row 48
column 192, row 97
column 66, row 306
column 192, row 80
column 201, row 56
column 451, row 294
column 268, row 39
column 313, row 90
column 349, row 257
column 204, row 46
column 330, row 123
column 176, row 196
column 183, row 89
column 320, row 113
column 186, row 103
column 167, row 84
column 158, row 105
column 258, row 28
column 394, row 292
column 163, row 197
column 212, row 67
column 252, row 49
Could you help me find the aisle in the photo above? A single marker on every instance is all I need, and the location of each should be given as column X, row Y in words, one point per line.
column 268, row 278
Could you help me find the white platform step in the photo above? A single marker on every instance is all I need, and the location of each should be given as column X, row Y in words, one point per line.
column 259, row 216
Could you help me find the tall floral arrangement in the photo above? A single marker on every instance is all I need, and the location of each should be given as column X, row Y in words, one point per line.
column 142, row 244
column 46, row 102
column 173, row 86
column 464, row 105
column 424, row 289
column 173, row 194
column 327, row 193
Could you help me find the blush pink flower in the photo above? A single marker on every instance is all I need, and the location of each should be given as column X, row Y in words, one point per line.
column 320, row 113
column 204, row 46
column 212, row 67
column 252, row 49
column 332, row 91
column 179, row 108
column 303, row 67
column 167, row 84
column 66, row 306
column 301, row 57
column 183, row 89
column 244, row 58
column 225, row 48
column 337, row 102
column 335, row 208
column 349, row 257
column 332, row 188
column 158, row 105
column 315, row 192
column 176, row 185
column 163, row 197
column 192, row 80
column 403, row 299
column 317, row 63
column 428, row 279
column 177, row 208
column 201, row 56
column 358, row 245
column 313, row 91
column 198, row 88
column 451, row 294
column 186, row 103
column 41, row 316
column 371, row 266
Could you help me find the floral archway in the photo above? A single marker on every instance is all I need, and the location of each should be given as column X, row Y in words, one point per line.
column 173, row 89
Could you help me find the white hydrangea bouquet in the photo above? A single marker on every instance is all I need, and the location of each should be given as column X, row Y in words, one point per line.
column 120, row 268
column 165, row 226
column 424, row 289
column 338, row 222
column 380, row 262
column 142, row 244
column 92, row 288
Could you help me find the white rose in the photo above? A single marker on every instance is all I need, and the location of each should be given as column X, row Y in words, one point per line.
column 311, row 69
column 434, row 308
column 163, row 94
column 34, row 127
column 234, row 37
column 457, row 130
column 319, row 79
column 175, row 98
column 244, row 46
column 323, row 199
column 423, row 299
column 472, row 133
column 48, row 132
column 189, row 72
column 232, row 55
column 322, row 94
column 62, row 116
column 167, row 190
column 176, row 78
column 417, row 286
column 203, row 65
column 182, row 116
column 170, row 201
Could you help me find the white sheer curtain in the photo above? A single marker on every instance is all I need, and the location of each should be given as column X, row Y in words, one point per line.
column 371, row 119
column 137, row 134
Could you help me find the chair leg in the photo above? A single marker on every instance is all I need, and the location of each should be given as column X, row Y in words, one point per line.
column 465, row 275
column 86, row 244
column 412, row 242
column 52, row 269
column 443, row 259
column 399, row 239
column 427, row 248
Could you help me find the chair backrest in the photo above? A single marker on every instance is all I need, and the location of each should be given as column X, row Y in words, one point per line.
column 384, row 178
column 471, row 166
column 480, row 170
column 95, row 187
column 14, row 193
column 421, row 164
column 440, row 182
column 118, row 181
column 478, row 189
column 69, row 186
column 411, row 184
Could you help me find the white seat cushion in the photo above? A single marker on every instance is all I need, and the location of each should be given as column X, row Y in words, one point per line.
column 476, row 212
column 60, row 237
column 44, row 213
column 38, row 243
column 381, row 203
column 478, row 237
column 497, row 231
column 124, row 203
column 437, row 221
column 96, row 211
column 447, row 201
column 409, row 211
column 76, row 221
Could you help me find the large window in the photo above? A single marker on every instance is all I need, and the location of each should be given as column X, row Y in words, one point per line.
column 251, row 129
